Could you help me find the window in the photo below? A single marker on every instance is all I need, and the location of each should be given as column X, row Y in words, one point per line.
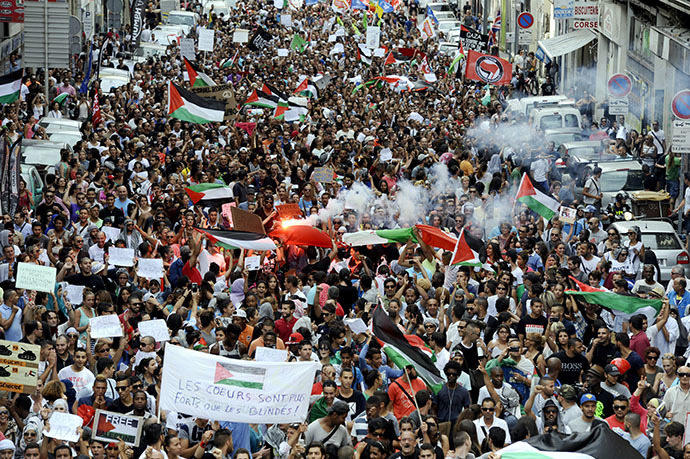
column 551, row 122
column 571, row 121
column 624, row 180
column 660, row 241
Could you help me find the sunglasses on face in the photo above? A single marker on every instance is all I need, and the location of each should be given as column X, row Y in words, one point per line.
column 488, row 410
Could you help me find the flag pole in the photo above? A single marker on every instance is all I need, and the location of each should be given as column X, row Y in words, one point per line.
column 409, row 382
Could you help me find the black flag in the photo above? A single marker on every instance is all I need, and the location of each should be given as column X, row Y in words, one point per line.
column 260, row 39
column 138, row 7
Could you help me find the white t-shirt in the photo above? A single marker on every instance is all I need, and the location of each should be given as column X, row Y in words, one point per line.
column 80, row 380
column 539, row 169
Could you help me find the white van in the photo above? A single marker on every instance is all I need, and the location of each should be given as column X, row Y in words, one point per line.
column 553, row 117
column 527, row 104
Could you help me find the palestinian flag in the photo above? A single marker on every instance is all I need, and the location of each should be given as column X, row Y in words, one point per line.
column 300, row 232
column 187, row 106
column 295, row 105
column 463, row 254
column 60, row 99
column 600, row 442
column 197, row 78
column 208, row 191
column 307, row 88
column 457, row 62
column 231, row 61
column 373, row 237
column 231, row 374
column 10, row 85
column 239, row 239
column 404, row 350
column 273, row 91
column 539, row 202
column 624, row 306
column 403, row 56
column 261, row 99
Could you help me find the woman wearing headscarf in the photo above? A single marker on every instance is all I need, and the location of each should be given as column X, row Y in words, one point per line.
column 30, row 434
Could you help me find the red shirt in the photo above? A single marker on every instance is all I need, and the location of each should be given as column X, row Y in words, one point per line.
column 639, row 343
column 613, row 422
column 402, row 405
column 192, row 273
column 284, row 328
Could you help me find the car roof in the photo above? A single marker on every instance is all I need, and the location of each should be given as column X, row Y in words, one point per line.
column 182, row 13
column 581, row 143
column 554, row 108
column 654, row 226
column 608, row 166
column 563, row 130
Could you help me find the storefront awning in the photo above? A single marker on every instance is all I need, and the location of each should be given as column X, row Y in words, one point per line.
column 563, row 44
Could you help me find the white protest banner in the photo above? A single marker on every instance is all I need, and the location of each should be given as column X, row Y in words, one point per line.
column 240, row 36
column 267, row 354
column 36, row 277
column 150, row 268
column 283, row 52
column 105, row 326
column 252, row 263
column 157, row 328
column 286, row 20
column 111, row 233
column 121, row 257
column 75, row 293
column 356, row 325
column 291, row 115
column 379, row 52
column 206, row 37
column 215, row 387
column 64, row 426
column 373, row 37
column 386, row 155
column 112, row 427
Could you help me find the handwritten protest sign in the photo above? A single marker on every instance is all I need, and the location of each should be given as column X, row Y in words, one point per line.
column 289, row 210
column 252, row 263
column 206, row 38
column 356, row 325
column 105, row 326
column 111, row 233
column 150, row 268
column 322, row 174
column 267, row 354
column 214, row 387
column 75, row 293
column 240, row 36
column 112, row 427
column 121, row 257
column 64, row 426
column 36, row 277
column 373, row 37
column 21, row 367
column 157, row 328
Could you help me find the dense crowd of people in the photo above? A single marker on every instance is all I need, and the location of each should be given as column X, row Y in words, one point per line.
column 519, row 357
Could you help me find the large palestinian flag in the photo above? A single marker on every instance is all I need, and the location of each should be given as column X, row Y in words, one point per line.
column 599, row 443
column 625, row 306
column 187, row 106
column 300, row 232
column 239, row 239
column 259, row 98
column 404, row 350
column 463, row 254
column 197, row 78
column 431, row 235
column 540, row 202
column 208, row 192
column 10, row 85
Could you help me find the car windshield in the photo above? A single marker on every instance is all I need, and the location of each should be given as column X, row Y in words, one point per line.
column 571, row 121
column 621, row 180
column 560, row 139
column 551, row 122
column 177, row 19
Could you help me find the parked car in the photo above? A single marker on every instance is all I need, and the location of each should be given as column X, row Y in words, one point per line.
column 186, row 19
column 527, row 104
column 34, row 182
column 559, row 136
column 148, row 49
column 111, row 78
column 661, row 237
column 616, row 176
column 552, row 117
column 43, row 154
column 58, row 123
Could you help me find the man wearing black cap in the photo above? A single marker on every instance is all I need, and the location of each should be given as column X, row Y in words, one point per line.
column 611, row 384
column 330, row 429
column 593, row 379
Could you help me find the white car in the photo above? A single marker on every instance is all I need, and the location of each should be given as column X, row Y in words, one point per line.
column 68, row 137
column 446, row 26
column 58, row 123
column 111, row 78
column 167, row 35
column 186, row 19
column 148, row 49
column 444, row 15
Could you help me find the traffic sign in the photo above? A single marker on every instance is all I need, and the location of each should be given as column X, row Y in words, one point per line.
column 680, row 136
column 524, row 37
column 619, row 85
column 618, row 106
column 525, row 20
column 680, row 105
